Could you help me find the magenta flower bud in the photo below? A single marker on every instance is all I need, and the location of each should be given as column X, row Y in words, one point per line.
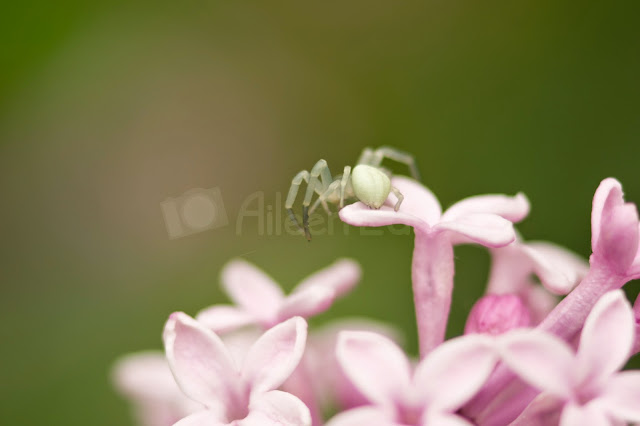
column 496, row 314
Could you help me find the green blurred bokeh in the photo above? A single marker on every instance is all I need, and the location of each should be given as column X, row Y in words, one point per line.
column 109, row 108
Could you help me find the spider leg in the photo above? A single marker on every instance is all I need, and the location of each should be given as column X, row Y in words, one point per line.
column 399, row 197
column 322, row 198
column 320, row 170
column 365, row 156
column 293, row 192
column 395, row 155
column 343, row 183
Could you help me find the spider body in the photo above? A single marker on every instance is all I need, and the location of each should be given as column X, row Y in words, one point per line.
column 368, row 182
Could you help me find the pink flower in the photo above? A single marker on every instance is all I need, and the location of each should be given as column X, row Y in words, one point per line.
column 441, row 383
column 237, row 395
column 558, row 269
column 486, row 220
column 259, row 300
column 146, row 380
column 588, row 383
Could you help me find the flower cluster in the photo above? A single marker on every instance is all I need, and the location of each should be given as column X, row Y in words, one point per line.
column 525, row 358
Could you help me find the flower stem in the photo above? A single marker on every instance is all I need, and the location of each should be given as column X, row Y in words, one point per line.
column 432, row 272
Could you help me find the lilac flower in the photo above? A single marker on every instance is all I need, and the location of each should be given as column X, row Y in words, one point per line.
column 146, row 380
column 441, row 383
column 558, row 269
column 259, row 300
column 486, row 220
column 237, row 395
column 588, row 384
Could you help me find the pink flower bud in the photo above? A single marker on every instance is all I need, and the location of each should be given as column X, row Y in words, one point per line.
column 615, row 232
column 496, row 314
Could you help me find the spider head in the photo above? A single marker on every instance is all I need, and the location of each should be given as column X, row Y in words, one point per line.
column 370, row 185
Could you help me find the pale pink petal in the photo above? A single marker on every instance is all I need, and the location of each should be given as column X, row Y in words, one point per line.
column 363, row 416
column 275, row 355
column 252, row 289
column 306, row 302
column 276, row 408
column 610, row 325
column 609, row 192
column 585, row 415
column 510, row 269
column 559, row 269
column 453, row 372
column 486, row 229
column 419, row 201
column 358, row 214
column 224, row 318
column 146, row 375
column 341, row 276
column 202, row 418
column 375, row 365
column 621, row 396
column 514, row 209
column 200, row 362
column 539, row 301
column 540, row 359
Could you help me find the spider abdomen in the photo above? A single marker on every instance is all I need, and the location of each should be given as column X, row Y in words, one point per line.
column 370, row 185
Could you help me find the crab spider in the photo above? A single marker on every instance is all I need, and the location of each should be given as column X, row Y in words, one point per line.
column 368, row 182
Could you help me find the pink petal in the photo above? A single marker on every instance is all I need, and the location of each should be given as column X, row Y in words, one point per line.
column 609, row 192
column 486, row 229
column 146, row 375
column 514, row 209
column 610, row 325
column 510, row 268
column 375, row 365
column 585, row 415
column 222, row 318
column 559, row 269
column 275, row 355
column 419, row 201
column 363, row 416
column 252, row 289
column 276, row 408
column 614, row 223
column 202, row 418
column 306, row 302
column 358, row 214
column 200, row 362
column 540, row 359
column 622, row 396
column 445, row 419
column 341, row 276
column 453, row 372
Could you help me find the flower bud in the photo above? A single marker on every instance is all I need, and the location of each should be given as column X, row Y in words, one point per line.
column 496, row 314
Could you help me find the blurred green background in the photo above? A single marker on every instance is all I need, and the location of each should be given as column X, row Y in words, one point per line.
column 109, row 108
